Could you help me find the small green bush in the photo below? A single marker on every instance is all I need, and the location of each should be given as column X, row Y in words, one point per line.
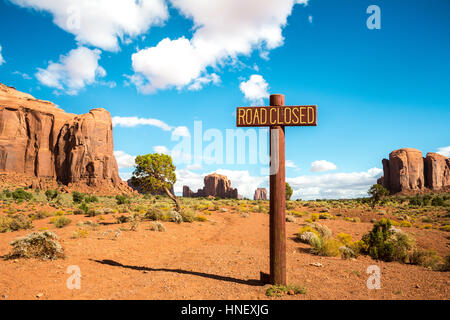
column 387, row 243
column 77, row 197
column 90, row 198
column 154, row 213
column 60, row 221
column 51, row 194
column 21, row 194
column 121, row 199
column 279, row 290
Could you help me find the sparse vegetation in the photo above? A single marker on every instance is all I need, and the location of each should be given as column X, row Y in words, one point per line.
column 39, row 245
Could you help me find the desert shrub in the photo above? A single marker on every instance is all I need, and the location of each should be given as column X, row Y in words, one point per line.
column 60, row 221
column 445, row 227
column 84, row 208
column 446, row 265
column 415, row 202
column 41, row 214
column 290, row 218
column 387, row 243
column 426, row 258
column 344, row 238
column 427, row 226
column 51, row 194
column 307, row 237
column 7, row 193
column 323, row 230
column 88, row 224
column 80, row 233
column 40, row 245
column 21, row 194
column 188, row 215
column 158, row 226
column 15, row 223
column 122, row 219
column 279, row 290
column 154, row 213
column 437, row 201
column 121, row 199
column 134, row 225
column 200, row 218
column 405, row 224
column 325, row 247
column 91, row 198
column 77, row 197
column 315, row 216
column 348, row 252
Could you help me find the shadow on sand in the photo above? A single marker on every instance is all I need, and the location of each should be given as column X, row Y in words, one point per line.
column 249, row 282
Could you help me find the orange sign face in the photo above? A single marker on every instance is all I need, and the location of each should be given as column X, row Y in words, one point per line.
column 276, row 116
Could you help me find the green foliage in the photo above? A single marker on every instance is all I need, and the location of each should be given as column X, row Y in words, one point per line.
column 51, row 194
column 288, row 192
column 40, row 245
column 123, row 219
column 122, row 199
column 387, row 243
column 427, row 259
column 21, row 194
column 77, row 197
column 154, row 172
column 279, row 290
column 60, row 221
column 84, row 208
column 7, row 193
column 90, row 198
column 377, row 193
column 437, row 201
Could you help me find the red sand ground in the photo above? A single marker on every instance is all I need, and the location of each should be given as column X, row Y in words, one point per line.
column 218, row 259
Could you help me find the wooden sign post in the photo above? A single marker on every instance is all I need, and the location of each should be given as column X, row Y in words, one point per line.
column 277, row 116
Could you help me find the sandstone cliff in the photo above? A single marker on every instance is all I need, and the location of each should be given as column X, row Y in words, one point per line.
column 260, row 194
column 41, row 141
column 406, row 170
column 216, row 185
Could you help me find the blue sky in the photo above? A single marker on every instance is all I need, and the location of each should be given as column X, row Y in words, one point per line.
column 182, row 61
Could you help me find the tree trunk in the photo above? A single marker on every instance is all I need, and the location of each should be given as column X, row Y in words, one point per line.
column 174, row 198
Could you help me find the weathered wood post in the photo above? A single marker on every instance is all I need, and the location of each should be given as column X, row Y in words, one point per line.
column 277, row 199
column 276, row 117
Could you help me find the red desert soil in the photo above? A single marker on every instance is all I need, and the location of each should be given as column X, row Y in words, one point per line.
column 218, row 259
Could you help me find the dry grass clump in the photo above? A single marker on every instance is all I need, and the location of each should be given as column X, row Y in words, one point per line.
column 158, row 227
column 60, row 221
column 39, row 245
column 15, row 223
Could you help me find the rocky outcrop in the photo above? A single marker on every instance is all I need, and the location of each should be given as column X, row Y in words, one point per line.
column 260, row 194
column 216, row 185
column 437, row 171
column 407, row 170
column 40, row 140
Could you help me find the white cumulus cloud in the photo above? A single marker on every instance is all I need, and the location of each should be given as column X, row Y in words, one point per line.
column 101, row 23
column 74, row 71
column 161, row 149
column 129, row 122
column 181, row 131
column 445, row 151
column 124, row 160
column 322, row 165
column 223, row 30
column 2, row 61
column 255, row 89
column 335, row 185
